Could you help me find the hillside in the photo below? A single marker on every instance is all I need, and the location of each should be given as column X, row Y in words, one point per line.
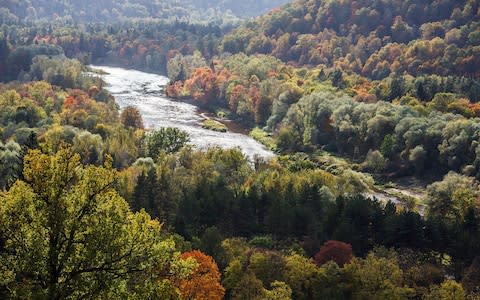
column 371, row 38
column 116, row 10
column 386, row 83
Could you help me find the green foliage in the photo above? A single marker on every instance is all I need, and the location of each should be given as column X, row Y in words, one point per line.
column 377, row 278
column 214, row 125
column 452, row 197
column 180, row 67
column 10, row 163
column 375, row 161
column 268, row 267
column 300, row 275
column 280, row 291
column 263, row 242
column 67, row 233
column 121, row 10
column 264, row 138
column 449, row 289
column 249, row 288
column 387, row 148
column 169, row 140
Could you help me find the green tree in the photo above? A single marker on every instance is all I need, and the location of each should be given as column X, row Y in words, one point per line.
column 10, row 163
column 388, row 146
column 211, row 244
column 249, row 288
column 331, row 283
column 300, row 275
column 268, row 266
column 448, row 290
column 280, row 291
column 452, row 197
column 68, row 234
column 167, row 139
column 377, row 278
column 375, row 161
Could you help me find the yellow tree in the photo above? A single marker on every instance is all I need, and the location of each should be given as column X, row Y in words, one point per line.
column 377, row 278
column 66, row 233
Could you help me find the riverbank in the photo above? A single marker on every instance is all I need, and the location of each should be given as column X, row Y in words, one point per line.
column 146, row 92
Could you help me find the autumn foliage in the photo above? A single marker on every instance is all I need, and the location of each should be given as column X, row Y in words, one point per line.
column 131, row 117
column 336, row 251
column 204, row 282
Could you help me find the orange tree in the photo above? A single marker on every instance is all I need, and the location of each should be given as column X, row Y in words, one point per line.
column 204, row 282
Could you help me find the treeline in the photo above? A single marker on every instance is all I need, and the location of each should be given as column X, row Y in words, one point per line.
column 256, row 273
column 136, row 44
column 195, row 191
column 218, row 11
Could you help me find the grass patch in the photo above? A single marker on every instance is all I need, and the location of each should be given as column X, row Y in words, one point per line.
column 264, row 138
column 333, row 162
column 214, row 125
column 222, row 113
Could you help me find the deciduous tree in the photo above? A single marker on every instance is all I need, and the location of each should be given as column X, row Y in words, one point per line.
column 336, row 251
column 204, row 282
column 67, row 234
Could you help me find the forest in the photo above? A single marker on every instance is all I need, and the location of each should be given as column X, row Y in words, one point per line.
column 111, row 11
column 353, row 97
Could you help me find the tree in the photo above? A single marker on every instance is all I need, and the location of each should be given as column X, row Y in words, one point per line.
column 448, row 290
column 89, row 146
column 10, row 163
column 4, row 53
column 232, row 275
column 300, row 275
column 131, row 117
column 211, row 244
column 377, row 278
column 68, row 234
column 336, row 251
column 375, row 161
column 452, row 197
column 167, row 139
column 268, row 266
column 249, row 288
column 280, row 291
column 331, row 283
column 417, row 157
column 204, row 282
column 176, row 68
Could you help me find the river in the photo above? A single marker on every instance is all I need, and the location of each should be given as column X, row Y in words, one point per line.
column 146, row 92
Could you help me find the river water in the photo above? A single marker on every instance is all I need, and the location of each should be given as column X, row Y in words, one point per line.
column 146, row 92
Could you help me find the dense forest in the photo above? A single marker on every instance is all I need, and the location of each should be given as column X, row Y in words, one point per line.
column 354, row 97
column 218, row 11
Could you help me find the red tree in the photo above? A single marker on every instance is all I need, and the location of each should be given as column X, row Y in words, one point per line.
column 336, row 251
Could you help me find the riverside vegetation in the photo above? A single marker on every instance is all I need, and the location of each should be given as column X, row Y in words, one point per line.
column 348, row 94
